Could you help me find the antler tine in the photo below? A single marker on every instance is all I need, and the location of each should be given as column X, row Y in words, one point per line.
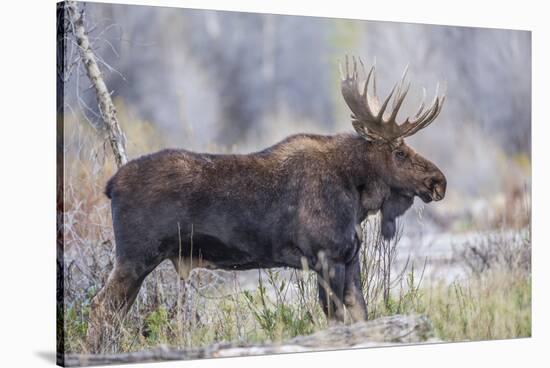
column 400, row 86
column 342, row 77
column 365, row 91
column 347, row 66
column 374, row 78
column 422, row 104
column 366, row 74
column 398, row 104
column 400, row 97
column 385, row 104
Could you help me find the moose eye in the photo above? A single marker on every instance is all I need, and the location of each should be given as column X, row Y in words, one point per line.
column 400, row 154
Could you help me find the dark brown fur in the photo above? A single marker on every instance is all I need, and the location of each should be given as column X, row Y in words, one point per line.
column 299, row 200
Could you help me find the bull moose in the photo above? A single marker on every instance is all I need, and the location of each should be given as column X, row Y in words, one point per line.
column 298, row 201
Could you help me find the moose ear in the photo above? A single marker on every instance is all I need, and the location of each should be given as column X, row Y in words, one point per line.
column 364, row 132
column 393, row 207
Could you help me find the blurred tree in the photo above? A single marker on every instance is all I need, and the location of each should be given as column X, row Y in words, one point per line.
column 260, row 64
column 75, row 29
column 488, row 72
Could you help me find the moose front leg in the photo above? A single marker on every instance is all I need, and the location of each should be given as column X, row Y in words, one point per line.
column 330, row 280
column 353, row 294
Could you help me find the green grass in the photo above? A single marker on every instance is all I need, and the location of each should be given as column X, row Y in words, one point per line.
column 493, row 305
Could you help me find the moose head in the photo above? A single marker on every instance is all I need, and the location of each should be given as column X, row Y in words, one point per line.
column 406, row 172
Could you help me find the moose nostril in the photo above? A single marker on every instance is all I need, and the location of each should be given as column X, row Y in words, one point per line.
column 435, row 181
column 430, row 183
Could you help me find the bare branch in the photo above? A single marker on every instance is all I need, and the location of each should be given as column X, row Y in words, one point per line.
column 106, row 106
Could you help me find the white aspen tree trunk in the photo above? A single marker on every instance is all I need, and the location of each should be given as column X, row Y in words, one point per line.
column 106, row 106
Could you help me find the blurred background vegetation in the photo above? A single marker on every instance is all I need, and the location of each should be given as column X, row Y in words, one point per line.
column 238, row 82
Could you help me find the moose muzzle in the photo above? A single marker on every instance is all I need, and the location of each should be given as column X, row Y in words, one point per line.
column 437, row 185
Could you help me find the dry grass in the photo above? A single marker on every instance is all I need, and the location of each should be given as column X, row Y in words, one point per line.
column 493, row 305
column 494, row 301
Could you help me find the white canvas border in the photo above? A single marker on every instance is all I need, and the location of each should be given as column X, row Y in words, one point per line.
column 27, row 270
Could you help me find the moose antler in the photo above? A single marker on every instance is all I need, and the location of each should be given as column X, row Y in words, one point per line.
column 370, row 118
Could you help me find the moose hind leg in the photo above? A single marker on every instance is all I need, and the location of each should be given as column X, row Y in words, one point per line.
column 111, row 304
